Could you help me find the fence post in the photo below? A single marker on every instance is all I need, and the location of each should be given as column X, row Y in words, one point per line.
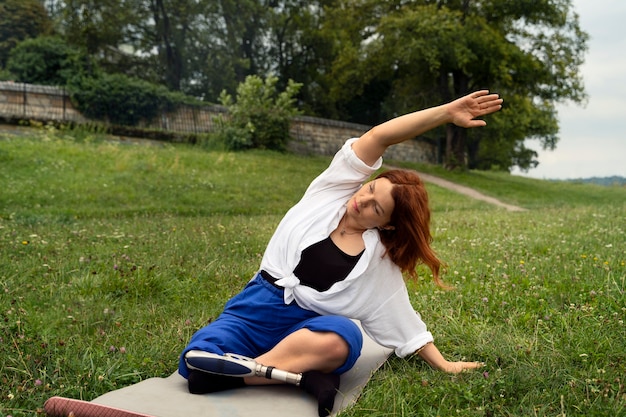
column 24, row 100
column 63, row 103
column 194, row 116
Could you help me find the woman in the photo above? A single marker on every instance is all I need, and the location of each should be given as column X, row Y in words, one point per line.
column 340, row 254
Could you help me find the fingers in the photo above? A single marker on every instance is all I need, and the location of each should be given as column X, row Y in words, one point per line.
column 479, row 93
column 458, row 367
column 487, row 101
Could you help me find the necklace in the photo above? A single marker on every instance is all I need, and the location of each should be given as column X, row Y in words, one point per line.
column 343, row 232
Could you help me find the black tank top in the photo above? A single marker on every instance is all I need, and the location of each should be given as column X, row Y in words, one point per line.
column 323, row 264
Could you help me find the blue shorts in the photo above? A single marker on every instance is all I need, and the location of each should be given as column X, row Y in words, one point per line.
column 257, row 318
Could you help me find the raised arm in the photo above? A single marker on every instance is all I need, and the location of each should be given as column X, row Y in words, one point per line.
column 462, row 112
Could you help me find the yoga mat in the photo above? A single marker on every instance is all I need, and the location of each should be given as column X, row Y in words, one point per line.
column 169, row 397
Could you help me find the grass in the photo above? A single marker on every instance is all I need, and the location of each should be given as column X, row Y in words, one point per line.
column 113, row 254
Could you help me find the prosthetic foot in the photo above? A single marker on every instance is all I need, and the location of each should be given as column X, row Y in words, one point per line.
column 211, row 372
column 237, row 366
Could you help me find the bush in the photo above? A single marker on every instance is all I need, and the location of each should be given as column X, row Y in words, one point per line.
column 121, row 100
column 6, row 75
column 260, row 117
column 45, row 60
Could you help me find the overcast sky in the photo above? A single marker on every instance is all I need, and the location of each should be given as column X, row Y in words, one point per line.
column 593, row 138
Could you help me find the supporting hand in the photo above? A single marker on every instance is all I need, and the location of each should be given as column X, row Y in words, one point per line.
column 431, row 354
column 457, row 367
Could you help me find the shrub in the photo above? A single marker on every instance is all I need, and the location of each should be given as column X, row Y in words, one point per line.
column 121, row 100
column 45, row 60
column 261, row 116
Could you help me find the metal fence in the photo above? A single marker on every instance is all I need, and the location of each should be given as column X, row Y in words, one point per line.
column 38, row 102
column 310, row 135
column 47, row 103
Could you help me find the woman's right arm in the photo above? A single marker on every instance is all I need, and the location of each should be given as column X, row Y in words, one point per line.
column 462, row 112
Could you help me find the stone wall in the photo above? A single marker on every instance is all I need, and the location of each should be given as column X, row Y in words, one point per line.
column 311, row 135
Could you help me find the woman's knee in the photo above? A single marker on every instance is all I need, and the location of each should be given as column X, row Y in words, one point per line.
column 335, row 347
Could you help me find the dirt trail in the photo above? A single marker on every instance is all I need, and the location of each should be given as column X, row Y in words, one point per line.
column 470, row 192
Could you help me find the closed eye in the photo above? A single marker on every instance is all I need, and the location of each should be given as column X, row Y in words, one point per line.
column 377, row 209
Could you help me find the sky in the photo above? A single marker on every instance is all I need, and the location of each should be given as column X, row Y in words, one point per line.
column 592, row 137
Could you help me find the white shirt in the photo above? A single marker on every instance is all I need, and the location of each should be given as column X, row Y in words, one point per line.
column 374, row 292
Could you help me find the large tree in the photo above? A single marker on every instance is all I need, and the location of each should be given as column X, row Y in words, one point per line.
column 433, row 51
column 20, row 20
column 199, row 47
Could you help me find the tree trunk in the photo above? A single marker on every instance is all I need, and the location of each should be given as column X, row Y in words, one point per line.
column 456, row 137
column 455, row 147
column 173, row 60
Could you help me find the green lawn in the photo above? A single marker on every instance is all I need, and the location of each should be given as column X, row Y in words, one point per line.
column 113, row 254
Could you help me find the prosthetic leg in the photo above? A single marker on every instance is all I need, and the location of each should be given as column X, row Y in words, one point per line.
column 238, row 366
column 233, row 368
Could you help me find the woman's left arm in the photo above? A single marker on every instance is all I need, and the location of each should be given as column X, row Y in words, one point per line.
column 434, row 358
column 462, row 112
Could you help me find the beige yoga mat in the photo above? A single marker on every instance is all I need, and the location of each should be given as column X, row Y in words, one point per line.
column 168, row 397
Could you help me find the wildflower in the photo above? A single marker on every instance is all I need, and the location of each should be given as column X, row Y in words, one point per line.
column 38, row 382
column 122, row 350
column 485, row 299
column 25, row 242
column 112, row 348
column 485, row 374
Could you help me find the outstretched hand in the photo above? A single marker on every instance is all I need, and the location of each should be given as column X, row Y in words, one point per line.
column 465, row 110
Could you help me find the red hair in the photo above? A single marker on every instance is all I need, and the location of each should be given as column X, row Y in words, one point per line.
column 408, row 242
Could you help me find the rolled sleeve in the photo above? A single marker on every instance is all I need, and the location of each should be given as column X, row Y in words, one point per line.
column 397, row 325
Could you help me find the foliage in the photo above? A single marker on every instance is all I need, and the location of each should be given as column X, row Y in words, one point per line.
column 20, row 20
column 261, row 115
column 432, row 53
column 6, row 75
column 113, row 254
column 119, row 99
column 362, row 61
column 45, row 60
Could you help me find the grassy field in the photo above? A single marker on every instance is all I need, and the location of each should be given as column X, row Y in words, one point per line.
column 113, row 254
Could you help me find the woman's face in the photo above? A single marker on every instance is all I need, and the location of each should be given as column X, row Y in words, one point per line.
column 372, row 205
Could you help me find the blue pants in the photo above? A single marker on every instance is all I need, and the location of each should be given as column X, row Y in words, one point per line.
column 256, row 319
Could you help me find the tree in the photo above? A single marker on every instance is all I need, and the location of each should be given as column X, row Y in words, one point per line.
column 234, row 46
column 107, row 30
column 430, row 52
column 19, row 20
column 301, row 48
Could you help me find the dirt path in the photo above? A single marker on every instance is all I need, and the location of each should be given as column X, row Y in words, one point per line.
column 470, row 192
